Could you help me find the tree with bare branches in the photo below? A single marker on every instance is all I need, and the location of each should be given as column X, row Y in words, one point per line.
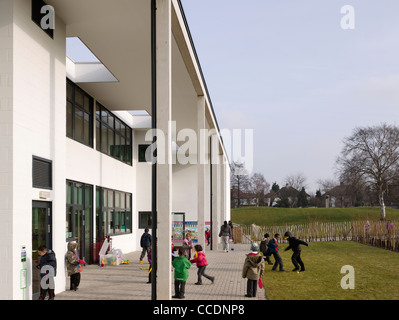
column 372, row 154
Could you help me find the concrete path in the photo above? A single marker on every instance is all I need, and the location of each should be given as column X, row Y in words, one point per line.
column 129, row 282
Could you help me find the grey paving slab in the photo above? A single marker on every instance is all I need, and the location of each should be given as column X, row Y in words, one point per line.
column 129, row 281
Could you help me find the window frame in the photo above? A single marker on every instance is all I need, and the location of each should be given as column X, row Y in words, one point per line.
column 142, row 221
column 112, row 211
column 73, row 205
column 80, row 107
column 105, row 123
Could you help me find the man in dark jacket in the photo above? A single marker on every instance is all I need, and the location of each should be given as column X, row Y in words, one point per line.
column 145, row 243
column 295, row 245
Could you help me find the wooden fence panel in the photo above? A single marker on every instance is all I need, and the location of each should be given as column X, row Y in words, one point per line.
column 375, row 233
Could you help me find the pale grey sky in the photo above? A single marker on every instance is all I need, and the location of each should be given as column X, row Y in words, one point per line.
column 287, row 70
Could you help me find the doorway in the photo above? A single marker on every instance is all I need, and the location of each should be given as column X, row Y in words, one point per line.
column 41, row 235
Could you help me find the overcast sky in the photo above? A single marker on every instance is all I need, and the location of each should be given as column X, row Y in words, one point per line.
column 287, row 70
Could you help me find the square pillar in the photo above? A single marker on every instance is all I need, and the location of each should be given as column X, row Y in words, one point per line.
column 201, row 160
column 164, row 156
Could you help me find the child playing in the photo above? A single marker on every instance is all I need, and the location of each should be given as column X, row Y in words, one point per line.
column 294, row 244
column 181, row 265
column 48, row 267
column 253, row 270
column 187, row 245
column 201, row 262
column 264, row 249
column 273, row 246
column 72, row 263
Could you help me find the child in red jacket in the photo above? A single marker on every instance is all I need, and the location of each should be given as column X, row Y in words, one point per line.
column 201, row 262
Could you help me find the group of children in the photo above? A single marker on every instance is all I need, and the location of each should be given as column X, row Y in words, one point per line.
column 181, row 265
column 270, row 247
column 254, row 266
column 252, row 270
column 47, row 265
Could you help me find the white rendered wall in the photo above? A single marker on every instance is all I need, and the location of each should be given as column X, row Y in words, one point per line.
column 6, row 149
column 142, row 197
column 39, row 130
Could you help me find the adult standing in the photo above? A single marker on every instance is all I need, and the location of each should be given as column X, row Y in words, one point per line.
column 225, row 233
column 145, row 243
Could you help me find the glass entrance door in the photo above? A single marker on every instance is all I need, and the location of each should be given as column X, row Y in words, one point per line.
column 41, row 235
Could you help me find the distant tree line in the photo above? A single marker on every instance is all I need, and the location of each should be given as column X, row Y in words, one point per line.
column 366, row 171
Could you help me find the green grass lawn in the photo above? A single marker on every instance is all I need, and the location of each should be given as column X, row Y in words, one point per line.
column 270, row 216
column 376, row 273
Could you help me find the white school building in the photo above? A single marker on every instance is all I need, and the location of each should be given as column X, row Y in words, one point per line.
column 81, row 84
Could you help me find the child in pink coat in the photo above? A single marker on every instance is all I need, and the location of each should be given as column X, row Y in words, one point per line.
column 201, row 262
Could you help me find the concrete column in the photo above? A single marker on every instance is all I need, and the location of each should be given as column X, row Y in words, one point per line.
column 164, row 170
column 222, row 194
column 202, row 154
column 216, row 186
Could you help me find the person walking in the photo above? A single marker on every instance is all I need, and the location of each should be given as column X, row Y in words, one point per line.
column 181, row 265
column 200, row 260
column 253, row 270
column 145, row 243
column 273, row 245
column 208, row 236
column 225, row 233
column 295, row 245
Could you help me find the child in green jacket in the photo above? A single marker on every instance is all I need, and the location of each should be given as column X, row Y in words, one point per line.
column 181, row 265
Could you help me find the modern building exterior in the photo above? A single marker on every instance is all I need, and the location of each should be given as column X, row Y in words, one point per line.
column 75, row 132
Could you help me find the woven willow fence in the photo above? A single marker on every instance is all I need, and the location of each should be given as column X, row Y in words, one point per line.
column 375, row 233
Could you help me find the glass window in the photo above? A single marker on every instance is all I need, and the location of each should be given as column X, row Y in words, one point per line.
column 113, row 137
column 114, row 218
column 79, row 200
column 69, row 119
column 79, row 116
column 142, row 151
column 145, row 220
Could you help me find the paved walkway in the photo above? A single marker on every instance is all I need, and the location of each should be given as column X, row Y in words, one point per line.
column 129, row 281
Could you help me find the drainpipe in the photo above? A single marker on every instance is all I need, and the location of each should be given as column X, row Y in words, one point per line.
column 154, row 165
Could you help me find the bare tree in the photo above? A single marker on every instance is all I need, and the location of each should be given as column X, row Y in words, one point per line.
column 258, row 186
column 326, row 185
column 296, row 181
column 372, row 153
column 239, row 178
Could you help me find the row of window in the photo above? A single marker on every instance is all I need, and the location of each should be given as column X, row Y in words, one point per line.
column 113, row 136
column 113, row 211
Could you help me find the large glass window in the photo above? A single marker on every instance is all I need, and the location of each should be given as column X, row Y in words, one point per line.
column 79, row 206
column 113, row 136
column 79, row 114
column 113, row 212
